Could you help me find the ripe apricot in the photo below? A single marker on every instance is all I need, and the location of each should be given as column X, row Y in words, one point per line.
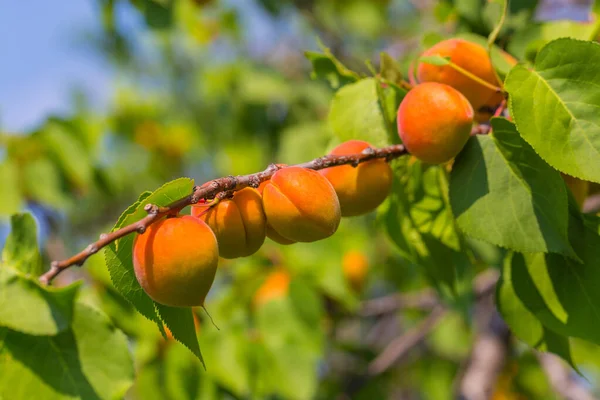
column 271, row 233
column 355, row 266
column 238, row 223
column 175, row 261
column 434, row 122
column 275, row 286
column 469, row 56
column 362, row 188
column 301, row 205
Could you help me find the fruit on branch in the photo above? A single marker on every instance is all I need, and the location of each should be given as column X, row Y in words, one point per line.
column 238, row 223
column 175, row 261
column 362, row 188
column 355, row 266
column 471, row 57
column 578, row 187
column 275, row 286
column 301, row 205
column 271, row 233
column 434, row 122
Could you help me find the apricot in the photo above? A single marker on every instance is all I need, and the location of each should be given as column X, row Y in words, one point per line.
column 275, row 286
column 469, row 56
column 301, row 205
column 355, row 266
column 271, row 233
column 578, row 187
column 362, row 188
column 175, row 261
column 434, row 122
column 238, row 223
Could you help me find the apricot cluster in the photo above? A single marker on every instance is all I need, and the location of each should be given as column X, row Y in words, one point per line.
column 175, row 260
column 436, row 116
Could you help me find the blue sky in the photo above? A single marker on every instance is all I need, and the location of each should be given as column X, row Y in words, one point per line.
column 40, row 60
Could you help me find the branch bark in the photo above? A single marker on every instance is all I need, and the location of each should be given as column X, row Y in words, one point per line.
column 426, row 299
column 487, row 359
column 561, row 378
column 209, row 191
column 402, row 344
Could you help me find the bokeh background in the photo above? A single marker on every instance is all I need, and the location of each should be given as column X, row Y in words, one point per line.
column 101, row 100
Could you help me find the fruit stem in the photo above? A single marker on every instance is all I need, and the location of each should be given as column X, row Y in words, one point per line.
column 477, row 79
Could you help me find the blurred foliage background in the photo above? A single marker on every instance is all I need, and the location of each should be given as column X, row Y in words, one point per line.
column 207, row 88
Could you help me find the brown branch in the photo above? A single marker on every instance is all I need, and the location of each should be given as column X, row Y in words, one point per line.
column 483, row 286
column 488, row 357
column 426, row 299
column 210, row 190
column 561, row 378
column 402, row 344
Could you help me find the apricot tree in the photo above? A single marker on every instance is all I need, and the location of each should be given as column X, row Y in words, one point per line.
column 473, row 168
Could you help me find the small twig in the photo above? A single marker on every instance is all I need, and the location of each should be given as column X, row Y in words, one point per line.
column 210, row 190
column 500, row 110
column 402, row 344
column 592, row 204
column 426, row 299
column 561, row 378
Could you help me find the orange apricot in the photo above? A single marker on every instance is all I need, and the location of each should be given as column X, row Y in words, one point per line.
column 434, row 122
column 270, row 232
column 238, row 223
column 355, row 266
column 175, row 261
column 362, row 188
column 275, row 286
column 470, row 56
column 301, row 205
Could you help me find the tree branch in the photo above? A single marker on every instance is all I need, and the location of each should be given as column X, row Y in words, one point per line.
column 209, row 191
column 561, row 378
column 487, row 359
column 426, row 299
column 402, row 344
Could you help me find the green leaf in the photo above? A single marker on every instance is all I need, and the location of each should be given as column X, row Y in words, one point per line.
column 420, row 223
column 291, row 352
column 503, row 193
column 497, row 8
column 69, row 153
column 21, row 247
column 435, row 60
column 11, row 199
column 356, row 113
column 89, row 361
column 120, row 266
column 555, row 106
column 389, row 69
column 180, row 322
column 560, row 292
column 327, row 66
column 523, row 323
column 27, row 307
column 49, row 193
